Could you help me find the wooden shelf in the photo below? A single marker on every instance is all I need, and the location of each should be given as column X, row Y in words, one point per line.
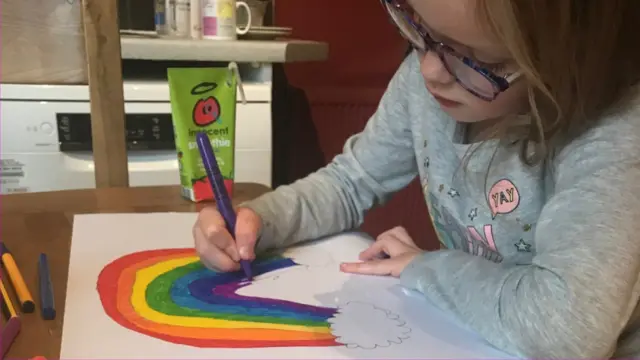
column 282, row 51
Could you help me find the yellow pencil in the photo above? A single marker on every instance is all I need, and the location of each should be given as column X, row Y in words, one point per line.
column 24, row 296
column 6, row 301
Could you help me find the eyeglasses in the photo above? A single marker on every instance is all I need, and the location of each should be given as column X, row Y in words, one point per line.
column 475, row 78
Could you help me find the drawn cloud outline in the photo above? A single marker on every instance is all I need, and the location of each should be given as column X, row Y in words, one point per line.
column 393, row 332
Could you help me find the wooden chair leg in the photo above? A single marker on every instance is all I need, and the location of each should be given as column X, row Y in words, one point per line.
column 104, row 65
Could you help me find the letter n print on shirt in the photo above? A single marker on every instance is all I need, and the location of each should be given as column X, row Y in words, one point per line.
column 439, row 225
column 453, row 235
column 483, row 246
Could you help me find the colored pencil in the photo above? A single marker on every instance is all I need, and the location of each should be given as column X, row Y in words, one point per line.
column 24, row 296
column 47, row 307
column 7, row 305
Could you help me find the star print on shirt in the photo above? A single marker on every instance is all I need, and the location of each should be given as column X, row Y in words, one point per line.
column 426, row 162
column 473, row 213
column 453, row 193
column 522, row 246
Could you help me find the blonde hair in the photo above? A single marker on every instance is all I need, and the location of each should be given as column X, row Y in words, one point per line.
column 580, row 58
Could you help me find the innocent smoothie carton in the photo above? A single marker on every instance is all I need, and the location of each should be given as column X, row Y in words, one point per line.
column 203, row 99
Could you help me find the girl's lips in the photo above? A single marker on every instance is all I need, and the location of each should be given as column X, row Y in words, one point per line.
column 446, row 102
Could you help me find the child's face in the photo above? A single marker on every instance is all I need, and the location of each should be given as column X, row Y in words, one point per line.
column 454, row 23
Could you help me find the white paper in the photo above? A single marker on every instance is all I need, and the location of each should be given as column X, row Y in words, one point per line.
column 374, row 317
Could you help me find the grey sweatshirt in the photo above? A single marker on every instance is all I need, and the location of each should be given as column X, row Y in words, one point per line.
column 542, row 261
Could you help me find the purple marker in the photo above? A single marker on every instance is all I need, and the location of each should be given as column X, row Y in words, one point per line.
column 9, row 333
column 219, row 190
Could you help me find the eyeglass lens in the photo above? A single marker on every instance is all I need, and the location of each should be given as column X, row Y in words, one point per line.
column 466, row 75
column 469, row 77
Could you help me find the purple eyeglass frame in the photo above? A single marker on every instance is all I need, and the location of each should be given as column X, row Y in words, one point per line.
column 500, row 83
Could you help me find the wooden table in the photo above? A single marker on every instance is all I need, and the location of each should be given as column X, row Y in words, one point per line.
column 42, row 222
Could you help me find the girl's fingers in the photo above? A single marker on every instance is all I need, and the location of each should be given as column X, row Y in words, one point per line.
column 393, row 266
column 372, row 267
column 247, row 227
column 373, row 251
column 211, row 256
column 388, row 244
column 401, row 234
column 213, row 229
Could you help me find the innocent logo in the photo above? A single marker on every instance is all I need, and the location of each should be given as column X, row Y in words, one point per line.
column 207, row 110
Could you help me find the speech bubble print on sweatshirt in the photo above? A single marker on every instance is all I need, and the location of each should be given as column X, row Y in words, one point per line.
column 503, row 197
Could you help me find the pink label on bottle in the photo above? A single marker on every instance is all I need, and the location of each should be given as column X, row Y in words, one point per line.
column 209, row 26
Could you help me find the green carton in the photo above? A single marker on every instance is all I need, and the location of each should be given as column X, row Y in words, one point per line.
column 203, row 100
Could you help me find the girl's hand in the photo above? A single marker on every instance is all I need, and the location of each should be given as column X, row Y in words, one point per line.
column 216, row 248
column 392, row 251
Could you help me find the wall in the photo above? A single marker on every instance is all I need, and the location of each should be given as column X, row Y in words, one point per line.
column 42, row 42
column 343, row 92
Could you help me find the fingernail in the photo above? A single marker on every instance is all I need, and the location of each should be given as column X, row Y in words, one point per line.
column 244, row 252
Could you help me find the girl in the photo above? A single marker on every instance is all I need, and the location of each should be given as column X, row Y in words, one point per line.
column 522, row 120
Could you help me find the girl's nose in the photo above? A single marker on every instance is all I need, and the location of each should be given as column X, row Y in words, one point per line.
column 433, row 69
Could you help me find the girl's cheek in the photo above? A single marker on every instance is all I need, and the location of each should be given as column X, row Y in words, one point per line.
column 516, row 97
column 512, row 101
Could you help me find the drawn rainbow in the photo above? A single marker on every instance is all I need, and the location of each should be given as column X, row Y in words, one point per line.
column 168, row 294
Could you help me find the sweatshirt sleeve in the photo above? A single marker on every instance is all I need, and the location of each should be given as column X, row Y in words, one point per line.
column 373, row 165
column 579, row 292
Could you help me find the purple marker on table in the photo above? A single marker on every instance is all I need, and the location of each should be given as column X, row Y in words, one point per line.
column 219, row 190
column 9, row 334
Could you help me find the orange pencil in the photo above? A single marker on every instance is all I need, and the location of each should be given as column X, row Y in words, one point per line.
column 24, row 296
column 6, row 302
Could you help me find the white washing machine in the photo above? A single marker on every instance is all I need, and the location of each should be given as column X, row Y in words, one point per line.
column 46, row 136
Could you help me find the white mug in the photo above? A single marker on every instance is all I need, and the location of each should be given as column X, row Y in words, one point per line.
column 219, row 19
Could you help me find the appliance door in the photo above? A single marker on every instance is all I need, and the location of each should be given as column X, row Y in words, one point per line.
column 31, row 160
